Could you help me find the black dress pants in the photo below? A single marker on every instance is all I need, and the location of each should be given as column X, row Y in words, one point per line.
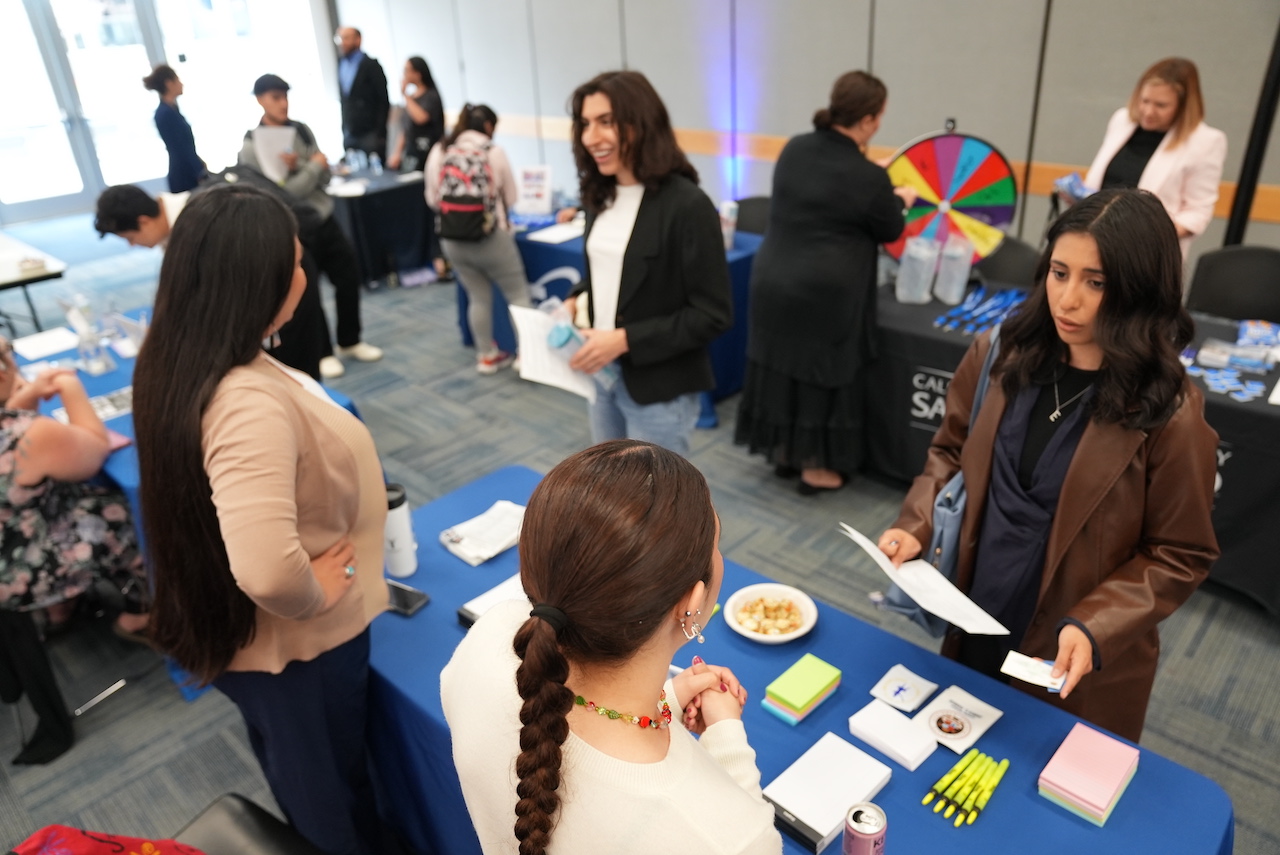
column 25, row 668
column 336, row 258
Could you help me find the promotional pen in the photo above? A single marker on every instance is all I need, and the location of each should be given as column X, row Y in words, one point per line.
column 986, row 793
column 958, row 783
column 978, row 789
column 970, row 785
column 945, row 780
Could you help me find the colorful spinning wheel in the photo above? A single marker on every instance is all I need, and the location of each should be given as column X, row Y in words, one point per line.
column 965, row 186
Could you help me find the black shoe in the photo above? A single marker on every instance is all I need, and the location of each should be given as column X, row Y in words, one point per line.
column 784, row 471
column 47, row 744
column 804, row 488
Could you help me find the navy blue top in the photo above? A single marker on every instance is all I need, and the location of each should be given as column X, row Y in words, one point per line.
column 185, row 166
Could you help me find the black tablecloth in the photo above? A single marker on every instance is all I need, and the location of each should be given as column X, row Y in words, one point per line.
column 909, row 383
column 387, row 224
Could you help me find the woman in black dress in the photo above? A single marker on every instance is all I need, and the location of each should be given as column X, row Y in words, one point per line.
column 813, row 298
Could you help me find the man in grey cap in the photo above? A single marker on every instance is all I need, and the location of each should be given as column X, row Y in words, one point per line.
column 306, row 174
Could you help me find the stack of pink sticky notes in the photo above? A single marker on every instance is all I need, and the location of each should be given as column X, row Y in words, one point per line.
column 1089, row 773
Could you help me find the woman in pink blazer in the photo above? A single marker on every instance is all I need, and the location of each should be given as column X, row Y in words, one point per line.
column 1160, row 143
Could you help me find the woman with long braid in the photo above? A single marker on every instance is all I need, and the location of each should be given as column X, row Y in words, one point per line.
column 619, row 553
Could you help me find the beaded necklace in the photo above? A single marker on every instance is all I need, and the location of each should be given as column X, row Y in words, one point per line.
column 664, row 711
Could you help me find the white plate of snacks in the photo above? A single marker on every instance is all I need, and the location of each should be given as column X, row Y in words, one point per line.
column 770, row 613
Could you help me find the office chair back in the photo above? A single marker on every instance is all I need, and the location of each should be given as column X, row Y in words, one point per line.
column 1013, row 263
column 1238, row 282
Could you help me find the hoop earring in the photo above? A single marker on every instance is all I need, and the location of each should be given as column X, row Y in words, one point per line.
column 697, row 628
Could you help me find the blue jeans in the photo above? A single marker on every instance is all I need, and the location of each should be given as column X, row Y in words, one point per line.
column 667, row 423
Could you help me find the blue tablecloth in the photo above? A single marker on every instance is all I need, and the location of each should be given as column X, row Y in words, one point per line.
column 1167, row 807
column 728, row 352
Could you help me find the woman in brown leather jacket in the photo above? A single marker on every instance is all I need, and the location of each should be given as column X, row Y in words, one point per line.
column 1090, row 468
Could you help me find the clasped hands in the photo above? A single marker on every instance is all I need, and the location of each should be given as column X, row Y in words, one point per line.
column 27, row 394
column 710, row 694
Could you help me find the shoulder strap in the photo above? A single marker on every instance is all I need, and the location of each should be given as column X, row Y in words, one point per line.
column 984, row 379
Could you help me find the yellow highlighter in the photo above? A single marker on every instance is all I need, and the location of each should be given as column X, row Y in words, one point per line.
column 990, row 788
column 959, row 782
column 977, row 790
column 969, row 786
column 952, row 773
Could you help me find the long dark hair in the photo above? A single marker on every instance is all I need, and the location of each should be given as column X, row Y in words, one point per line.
column 1141, row 325
column 424, row 71
column 614, row 536
column 158, row 80
column 854, row 95
column 473, row 117
column 646, row 140
column 225, row 275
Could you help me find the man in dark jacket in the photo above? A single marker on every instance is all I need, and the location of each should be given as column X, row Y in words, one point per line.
column 363, row 89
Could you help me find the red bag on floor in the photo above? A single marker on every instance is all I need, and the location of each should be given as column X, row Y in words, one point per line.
column 61, row 840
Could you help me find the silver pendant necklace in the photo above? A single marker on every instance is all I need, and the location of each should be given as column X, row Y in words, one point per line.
column 1057, row 413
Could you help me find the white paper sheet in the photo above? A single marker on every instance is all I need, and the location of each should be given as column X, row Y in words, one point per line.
column 539, row 362
column 931, row 590
column 348, row 189
column 269, row 142
column 509, row 589
column 480, row 538
column 559, row 233
column 47, row 343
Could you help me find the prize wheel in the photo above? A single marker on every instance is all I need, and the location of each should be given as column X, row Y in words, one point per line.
column 965, row 186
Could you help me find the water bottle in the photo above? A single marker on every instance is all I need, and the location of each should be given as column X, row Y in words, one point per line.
column 400, row 550
column 915, row 273
column 564, row 336
column 375, row 163
column 953, row 272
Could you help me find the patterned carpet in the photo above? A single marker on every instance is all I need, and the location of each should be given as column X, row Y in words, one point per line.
column 146, row 761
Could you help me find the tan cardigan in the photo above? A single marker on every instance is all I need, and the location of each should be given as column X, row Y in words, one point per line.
column 291, row 474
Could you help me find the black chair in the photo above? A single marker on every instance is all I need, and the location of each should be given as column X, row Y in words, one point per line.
column 753, row 214
column 233, row 825
column 1013, row 263
column 1238, row 282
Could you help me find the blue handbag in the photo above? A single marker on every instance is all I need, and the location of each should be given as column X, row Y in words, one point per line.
column 948, row 514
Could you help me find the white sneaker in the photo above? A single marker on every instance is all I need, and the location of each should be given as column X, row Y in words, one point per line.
column 331, row 367
column 361, row 351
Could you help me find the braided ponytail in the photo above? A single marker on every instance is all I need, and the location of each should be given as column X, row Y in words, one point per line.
column 540, row 680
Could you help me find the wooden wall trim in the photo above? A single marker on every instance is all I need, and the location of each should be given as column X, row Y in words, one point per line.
column 767, row 147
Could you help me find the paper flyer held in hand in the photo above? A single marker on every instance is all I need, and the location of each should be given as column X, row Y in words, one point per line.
column 541, row 364
column 931, row 590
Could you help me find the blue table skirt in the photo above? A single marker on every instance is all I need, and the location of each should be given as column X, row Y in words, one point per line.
column 1167, row 808
column 728, row 352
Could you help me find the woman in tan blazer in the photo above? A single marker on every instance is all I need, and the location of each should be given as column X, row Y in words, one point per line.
column 1159, row 142
column 1090, row 468
column 264, row 506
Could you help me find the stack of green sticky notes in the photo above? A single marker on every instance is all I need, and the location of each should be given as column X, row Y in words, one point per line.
column 801, row 688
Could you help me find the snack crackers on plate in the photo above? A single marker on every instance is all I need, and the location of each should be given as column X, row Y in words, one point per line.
column 770, row 616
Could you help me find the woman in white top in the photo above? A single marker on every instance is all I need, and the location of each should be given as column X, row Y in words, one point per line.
column 468, row 158
column 1159, row 142
column 563, row 717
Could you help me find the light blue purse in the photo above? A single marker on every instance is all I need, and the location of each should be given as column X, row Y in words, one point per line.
column 948, row 514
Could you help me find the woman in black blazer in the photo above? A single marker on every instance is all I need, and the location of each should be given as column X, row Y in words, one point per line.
column 657, row 283
column 813, row 292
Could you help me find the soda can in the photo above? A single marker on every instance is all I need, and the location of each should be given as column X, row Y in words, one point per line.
column 864, row 829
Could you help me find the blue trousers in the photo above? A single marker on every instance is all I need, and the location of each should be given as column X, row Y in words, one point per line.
column 307, row 728
column 614, row 415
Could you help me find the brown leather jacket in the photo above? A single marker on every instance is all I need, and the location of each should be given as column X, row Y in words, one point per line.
column 1131, row 540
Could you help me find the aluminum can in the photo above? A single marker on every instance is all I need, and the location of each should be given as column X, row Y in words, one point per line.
column 864, row 828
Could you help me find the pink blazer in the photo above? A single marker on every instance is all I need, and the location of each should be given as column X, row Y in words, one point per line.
column 1185, row 178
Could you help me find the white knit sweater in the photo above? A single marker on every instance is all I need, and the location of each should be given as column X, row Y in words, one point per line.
column 704, row 794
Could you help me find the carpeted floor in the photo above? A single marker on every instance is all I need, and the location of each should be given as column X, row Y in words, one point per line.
column 146, row 761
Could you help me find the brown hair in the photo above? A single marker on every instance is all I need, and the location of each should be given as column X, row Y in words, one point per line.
column 614, row 536
column 854, row 95
column 158, row 79
column 1180, row 75
column 1141, row 325
column 646, row 140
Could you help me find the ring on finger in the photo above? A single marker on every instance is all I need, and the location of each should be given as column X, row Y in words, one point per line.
column 351, row 571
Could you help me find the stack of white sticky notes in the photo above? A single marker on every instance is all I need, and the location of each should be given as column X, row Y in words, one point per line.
column 892, row 734
column 811, row 796
column 481, row 538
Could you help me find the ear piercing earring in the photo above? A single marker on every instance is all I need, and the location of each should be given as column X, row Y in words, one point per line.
column 696, row 632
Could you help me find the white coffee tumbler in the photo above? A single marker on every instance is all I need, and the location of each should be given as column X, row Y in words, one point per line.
column 401, row 550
